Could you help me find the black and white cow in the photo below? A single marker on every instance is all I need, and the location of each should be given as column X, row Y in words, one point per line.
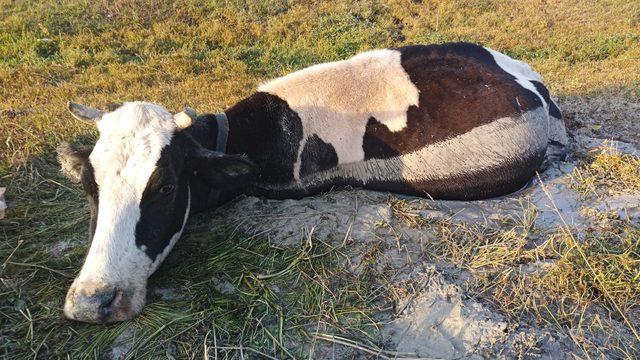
column 452, row 121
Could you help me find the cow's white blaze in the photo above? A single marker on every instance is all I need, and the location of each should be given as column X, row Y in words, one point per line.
column 123, row 159
column 335, row 100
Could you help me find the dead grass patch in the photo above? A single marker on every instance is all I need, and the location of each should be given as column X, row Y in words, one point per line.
column 608, row 172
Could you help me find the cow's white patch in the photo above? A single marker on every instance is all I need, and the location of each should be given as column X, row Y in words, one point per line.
column 524, row 75
column 123, row 159
column 335, row 100
column 484, row 147
column 520, row 70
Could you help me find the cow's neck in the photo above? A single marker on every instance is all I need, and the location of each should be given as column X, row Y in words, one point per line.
column 251, row 122
column 249, row 119
column 255, row 130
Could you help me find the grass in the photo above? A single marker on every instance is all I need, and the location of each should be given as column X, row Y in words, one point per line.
column 576, row 281
column 610, row 171
column 213, row 54
column 232, row 291
column 582, row 287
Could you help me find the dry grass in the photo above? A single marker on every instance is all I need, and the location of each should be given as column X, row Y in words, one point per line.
column 608, row 172
column 574, row 285
column 212, row 55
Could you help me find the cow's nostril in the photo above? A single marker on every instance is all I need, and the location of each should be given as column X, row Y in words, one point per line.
column 106, row 301
column 99, row 305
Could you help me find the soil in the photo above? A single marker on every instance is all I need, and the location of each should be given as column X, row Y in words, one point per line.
column 613, row 114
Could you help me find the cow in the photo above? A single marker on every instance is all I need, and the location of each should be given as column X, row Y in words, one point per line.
column 450, row 121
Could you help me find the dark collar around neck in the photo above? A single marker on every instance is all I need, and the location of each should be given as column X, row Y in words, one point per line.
column 213, row 199
column 223, row 132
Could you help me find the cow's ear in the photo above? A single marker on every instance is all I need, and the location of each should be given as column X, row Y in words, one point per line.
column 72, row 159
column 221, row 170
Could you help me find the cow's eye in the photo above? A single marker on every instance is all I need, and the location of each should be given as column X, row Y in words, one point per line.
column 166, row 189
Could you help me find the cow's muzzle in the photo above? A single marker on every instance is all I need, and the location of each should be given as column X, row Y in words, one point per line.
column 102, row 303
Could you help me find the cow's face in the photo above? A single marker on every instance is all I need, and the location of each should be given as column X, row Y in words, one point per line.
column 138, row 180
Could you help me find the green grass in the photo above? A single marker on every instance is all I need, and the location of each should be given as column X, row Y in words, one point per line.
column 209, row 56
column 242, row 291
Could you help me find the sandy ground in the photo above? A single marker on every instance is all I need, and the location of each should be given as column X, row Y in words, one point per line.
column 437, row 319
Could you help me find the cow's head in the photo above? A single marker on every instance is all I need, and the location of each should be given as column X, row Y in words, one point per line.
column 139, row 179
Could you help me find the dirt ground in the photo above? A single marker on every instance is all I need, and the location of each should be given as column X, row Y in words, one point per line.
column 611, row 114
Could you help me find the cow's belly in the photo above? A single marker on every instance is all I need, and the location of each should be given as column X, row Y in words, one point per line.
column 490, row 160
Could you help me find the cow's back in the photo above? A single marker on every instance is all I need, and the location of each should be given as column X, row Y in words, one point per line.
column 453, row 121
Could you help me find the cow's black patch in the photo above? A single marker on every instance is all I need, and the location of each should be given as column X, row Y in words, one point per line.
column 258, row 126
column 317, row 156
column 269, row 132
column 164, row 201
column 553, row 108
column 460, row 87
column 374, row 144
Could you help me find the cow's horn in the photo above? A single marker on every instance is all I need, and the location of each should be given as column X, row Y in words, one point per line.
column 185, row 118
column 83, row 112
